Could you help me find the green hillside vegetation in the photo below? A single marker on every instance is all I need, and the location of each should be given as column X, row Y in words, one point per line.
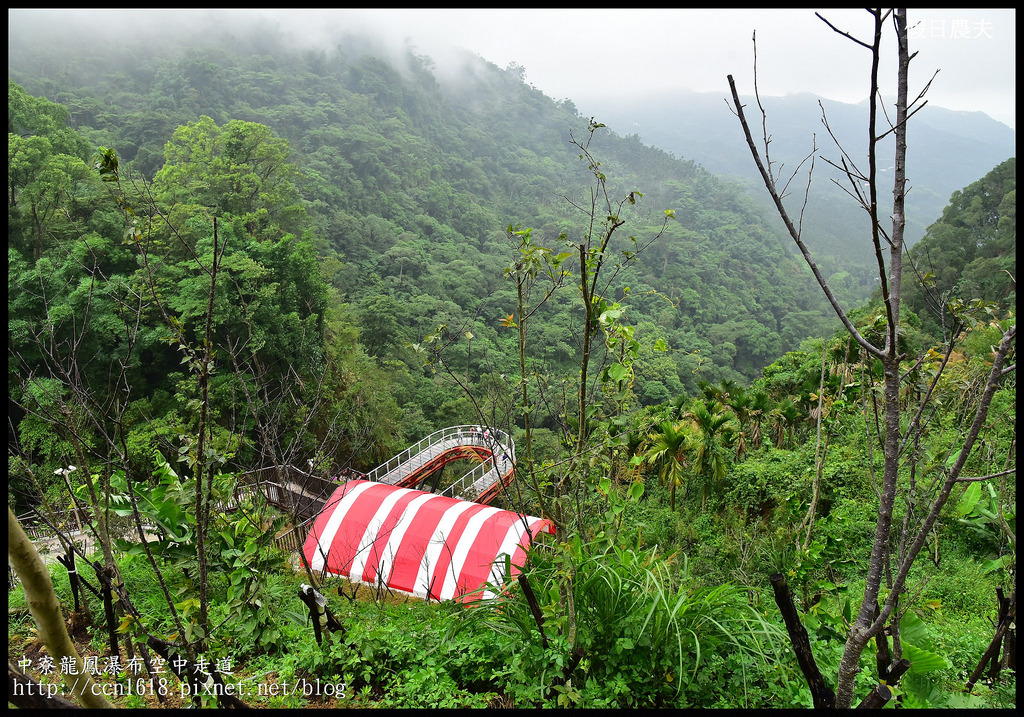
column 404, row 186
column 229, row 258
column 970, row 253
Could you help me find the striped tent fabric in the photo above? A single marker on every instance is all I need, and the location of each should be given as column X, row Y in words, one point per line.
column 417, row 542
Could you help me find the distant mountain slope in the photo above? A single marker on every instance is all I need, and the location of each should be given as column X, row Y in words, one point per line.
column 947, row 150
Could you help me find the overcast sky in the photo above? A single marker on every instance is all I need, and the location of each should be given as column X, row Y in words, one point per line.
column 585, row 55
column 590, row 55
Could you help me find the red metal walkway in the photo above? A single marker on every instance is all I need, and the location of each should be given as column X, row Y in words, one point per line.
column 492, row 448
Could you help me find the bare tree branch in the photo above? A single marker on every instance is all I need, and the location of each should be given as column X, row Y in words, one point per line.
column 795, row 234
column 990, row 476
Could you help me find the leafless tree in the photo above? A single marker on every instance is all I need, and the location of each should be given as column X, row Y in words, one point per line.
column 892, row 552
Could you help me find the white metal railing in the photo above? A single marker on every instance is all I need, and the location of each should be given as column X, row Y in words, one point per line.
column 470, row 486
column 473, row 483
column 483, row 476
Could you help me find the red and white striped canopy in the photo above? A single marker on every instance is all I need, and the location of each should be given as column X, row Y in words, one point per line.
column 418, row 542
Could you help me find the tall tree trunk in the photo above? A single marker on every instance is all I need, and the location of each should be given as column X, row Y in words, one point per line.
column 42, row 603
column 866, row 626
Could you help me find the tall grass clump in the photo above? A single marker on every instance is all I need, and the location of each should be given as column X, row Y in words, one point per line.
column 623, row 628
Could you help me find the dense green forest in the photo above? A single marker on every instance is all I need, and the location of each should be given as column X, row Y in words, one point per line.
column 243, row 254
column 404, row 189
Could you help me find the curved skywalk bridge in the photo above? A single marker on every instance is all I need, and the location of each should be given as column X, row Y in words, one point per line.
column 493, row 449
column 305, row 496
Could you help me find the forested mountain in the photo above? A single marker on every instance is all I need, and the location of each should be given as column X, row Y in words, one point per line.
column 406, row 183
column 949, row 150
column 970, row 253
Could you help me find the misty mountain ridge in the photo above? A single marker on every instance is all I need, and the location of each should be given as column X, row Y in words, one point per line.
column 947, row 150
column 700, row 126
column 411, row 168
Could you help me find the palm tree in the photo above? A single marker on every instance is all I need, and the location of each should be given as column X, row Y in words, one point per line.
column 784, row 419
column 708, row 390
column 741, row 404
column 669, row 448
column 634, row 441
column 760, row 404
column 720, row 392
column 676, row 407
column 714, row 429
column 727, row 388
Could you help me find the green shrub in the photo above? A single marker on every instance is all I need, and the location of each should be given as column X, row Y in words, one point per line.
column 646, row 630
column 963, row 588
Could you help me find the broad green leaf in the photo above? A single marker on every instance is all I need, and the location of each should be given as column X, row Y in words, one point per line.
column 922, row 661
column 636, row 490
column 610, row 315
column 968, row 500
column 617, row 372
column 914, row 631
column 990, row 566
